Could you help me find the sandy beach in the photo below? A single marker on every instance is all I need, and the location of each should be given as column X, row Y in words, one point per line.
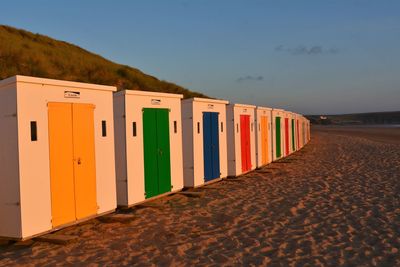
column 389, row 134
column 334, row 203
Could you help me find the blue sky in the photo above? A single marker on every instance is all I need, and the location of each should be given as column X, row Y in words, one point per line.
column 310, row 56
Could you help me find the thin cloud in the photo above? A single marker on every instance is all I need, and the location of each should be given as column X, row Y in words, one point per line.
column 249, row 78
column 304, row 50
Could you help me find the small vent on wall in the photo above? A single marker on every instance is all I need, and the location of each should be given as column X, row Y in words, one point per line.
column 34, row 131
column 103, row 128
column 134, row 128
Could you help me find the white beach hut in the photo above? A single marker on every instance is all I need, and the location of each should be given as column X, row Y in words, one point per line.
column 278, row 133
column 148, row 145
column 308, row 130
column 300, row 127
column 204, row 141
column 56, row 156
column 295, row 137
column 241, row 138
column 264, row 135
column 304, row 131
column 286, row 133
column 292, row 132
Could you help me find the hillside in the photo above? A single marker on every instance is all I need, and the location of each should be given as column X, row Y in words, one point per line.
column 392, row 117
column 25, row 53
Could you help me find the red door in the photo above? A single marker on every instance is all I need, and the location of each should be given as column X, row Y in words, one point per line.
column 248, row 157
column 245, row 142
column 286, row 136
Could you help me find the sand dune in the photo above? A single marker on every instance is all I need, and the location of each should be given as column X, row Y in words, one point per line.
column 336, row 202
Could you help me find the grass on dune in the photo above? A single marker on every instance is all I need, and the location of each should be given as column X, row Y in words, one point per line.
column 26, row 53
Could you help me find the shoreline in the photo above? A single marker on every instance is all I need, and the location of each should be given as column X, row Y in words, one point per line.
column 389, row 135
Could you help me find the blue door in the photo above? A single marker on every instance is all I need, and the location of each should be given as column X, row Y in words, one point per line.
column 215, row 144
column 211, row 146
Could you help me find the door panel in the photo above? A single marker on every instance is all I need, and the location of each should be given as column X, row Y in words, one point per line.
column 297, row 134
column 157, row 163
column 286, row 136
column 61, row 166
column 293, row 135
column 264, row 140
column 211, row 146
column 150, row 152
column 207, row 146
column 248, row 144
column 278, row 146
column 164, row 162
column 215, row 145
column 245, row 142
column 84, row 160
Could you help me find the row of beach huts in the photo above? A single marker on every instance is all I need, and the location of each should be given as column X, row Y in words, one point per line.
column 72, row 151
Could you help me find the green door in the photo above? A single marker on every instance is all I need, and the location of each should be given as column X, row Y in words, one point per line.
column 157, row 170
column 278, row 137
column 164, row 162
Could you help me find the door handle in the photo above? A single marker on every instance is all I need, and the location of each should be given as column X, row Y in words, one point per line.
column 79, row 161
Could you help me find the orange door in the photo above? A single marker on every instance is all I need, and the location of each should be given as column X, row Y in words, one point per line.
column 72, row 162
column 84, row 160
column 61, row 167
column 264, row 140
